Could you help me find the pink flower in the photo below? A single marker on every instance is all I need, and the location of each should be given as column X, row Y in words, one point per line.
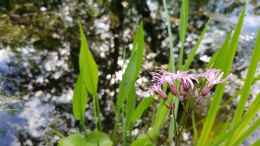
column 213, row 77
column 184, row 84
column 157, row 89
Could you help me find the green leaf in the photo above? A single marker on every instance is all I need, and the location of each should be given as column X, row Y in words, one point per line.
column 247, row 118
column 231, row 134
column 127, row 85
column 228, row 57
column 218, row 57
column 88, row 66
column 126, row 99
column 141, row 108
column 245, row 92
column 194, row 49
column 79, row 100
column 144, row 141
column 97, row 138
column 247, row 133
column 183, row 28
column 160, row 117
column 74, row 140
column 171, row 39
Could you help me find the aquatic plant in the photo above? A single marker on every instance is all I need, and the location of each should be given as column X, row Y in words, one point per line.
column 175, row 89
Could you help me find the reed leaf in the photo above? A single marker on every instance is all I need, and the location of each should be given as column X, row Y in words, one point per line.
column 225, row 65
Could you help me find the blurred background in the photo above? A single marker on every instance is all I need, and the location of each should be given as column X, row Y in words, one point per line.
column 39, row 47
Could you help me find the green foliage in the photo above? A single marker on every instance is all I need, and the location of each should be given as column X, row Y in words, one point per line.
column 126, row 87
column 225, row 65
column 73, row 140
column 79, row 100
column 159, row 119
column 240, row 127
column 183, row 28
column 169, row 29
column 139, row 110
column 95, row 138
column 126, row 99
column 88, row 66
column 144, row 141
column 128, row 112
column 194, row 49
column 217, row 59
column 87, row 79
column 248, row 81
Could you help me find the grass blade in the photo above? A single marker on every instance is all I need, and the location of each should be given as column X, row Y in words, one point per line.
column 159, row 118
column 183, row 28
column 217, row 58
column 248, row 81
column 126, row 86
column 171, row 60
column 226, row 67
column 237, row 129
column 247, row 133
column 126, row 99
column 140, row 109
column 222, row 63
column 247, row 118
column 195, row 48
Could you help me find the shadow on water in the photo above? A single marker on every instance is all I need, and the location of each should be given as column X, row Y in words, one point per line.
column 22, row 120
column 10, row 123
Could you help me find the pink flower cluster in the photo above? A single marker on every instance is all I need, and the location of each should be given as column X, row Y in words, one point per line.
column 184, row 84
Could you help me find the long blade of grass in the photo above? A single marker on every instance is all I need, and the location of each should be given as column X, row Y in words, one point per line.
column 159, row 118
column 195, row 48
column 126, row 99
column 248, row 81
column 214, row 106
column 247, row 118
column 222, row 136
column 247, row 133
column 140, row 109
column 216, row 56
column 133, row 68
column 237, row 129
column 183, row 28
column 173, row 121
column 225, row 65
column 169, row 29
column 222, row 63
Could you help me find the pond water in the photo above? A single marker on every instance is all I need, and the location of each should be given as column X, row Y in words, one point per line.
column 36, row 78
